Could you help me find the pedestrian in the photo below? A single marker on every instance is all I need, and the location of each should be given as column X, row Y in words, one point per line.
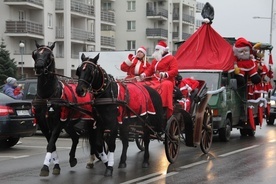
column 134, row 65
column 163, row 70
column 10, row 86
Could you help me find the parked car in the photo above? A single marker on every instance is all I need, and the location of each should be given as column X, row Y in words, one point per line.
column 16, row 120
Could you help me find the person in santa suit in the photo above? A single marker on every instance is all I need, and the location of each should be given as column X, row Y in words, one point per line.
column 162, row 71
column 244, row 64
column 135, row 65
column 186, row 86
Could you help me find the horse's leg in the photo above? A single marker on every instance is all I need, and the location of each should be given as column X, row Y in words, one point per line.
column 124, row 138
column 111, row 142
column 75, row 140
column 146, row 139
column 51, row 147
column 93, row 146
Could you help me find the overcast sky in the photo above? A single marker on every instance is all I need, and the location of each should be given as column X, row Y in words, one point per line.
column 234, row 18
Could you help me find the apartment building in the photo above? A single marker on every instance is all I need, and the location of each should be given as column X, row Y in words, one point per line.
column 91, row 25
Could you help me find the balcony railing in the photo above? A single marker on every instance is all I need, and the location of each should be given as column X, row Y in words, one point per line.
column 36, row 2
column 107, row 16
column 188, row 18
column 82, row 8
column 59, row 4
column 185, row 36
column 107, row 41
column 79, row 34
column 157, row 13
column 24, row 27
column 157, row 32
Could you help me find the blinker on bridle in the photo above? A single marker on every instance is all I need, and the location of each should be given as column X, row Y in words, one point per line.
column 96, row 69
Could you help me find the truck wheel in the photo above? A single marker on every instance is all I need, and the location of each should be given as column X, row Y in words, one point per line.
column 251, row 132
column 9, row 142
column 243, row 132
column 225, row 132
column 270, row 120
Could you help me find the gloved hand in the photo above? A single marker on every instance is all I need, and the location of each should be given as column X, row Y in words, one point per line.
column 130, row 56
column 142, row 76
column 162, row 75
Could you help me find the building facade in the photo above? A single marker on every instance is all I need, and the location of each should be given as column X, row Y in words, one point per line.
column 90, row 25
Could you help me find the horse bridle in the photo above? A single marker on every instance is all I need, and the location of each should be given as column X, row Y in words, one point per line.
column 45, row 69
column 99, row 70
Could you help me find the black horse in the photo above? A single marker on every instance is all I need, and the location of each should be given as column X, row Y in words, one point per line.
column 57, row 107
column 119, row 102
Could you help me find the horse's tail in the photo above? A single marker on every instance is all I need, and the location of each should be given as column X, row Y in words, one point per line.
column 157, row 119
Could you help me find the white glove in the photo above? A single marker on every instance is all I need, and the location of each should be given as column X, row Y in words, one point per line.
column 162, row 75
column 142, row 76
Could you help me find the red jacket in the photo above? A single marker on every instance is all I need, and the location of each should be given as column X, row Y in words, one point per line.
column 167, row 64
column 134, row 67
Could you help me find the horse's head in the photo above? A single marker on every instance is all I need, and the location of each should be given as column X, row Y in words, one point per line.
column 88, row 73
column 44, row 59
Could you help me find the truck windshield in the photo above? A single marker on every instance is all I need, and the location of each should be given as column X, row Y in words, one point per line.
column 211, row 79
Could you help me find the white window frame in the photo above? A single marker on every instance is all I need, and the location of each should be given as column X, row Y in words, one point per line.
column 131, row 25
column 131, row 44
column 50, row 20
column 131, row 5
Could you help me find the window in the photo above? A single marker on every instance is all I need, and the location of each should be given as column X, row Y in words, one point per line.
column 21, row 15
column 131, row 5
column 106, row 6
column 131, row 45
column 131, row 25
column 50, row 20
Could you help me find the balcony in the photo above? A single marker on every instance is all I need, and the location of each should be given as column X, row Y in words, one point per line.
column 157, row 33
column 107, row 16
column 24, row 27
column 160, row 14
column 185, row 36
column 107, row 41
column 186, row 18
column 80, row 34
column 82, row 8
column 29, row 4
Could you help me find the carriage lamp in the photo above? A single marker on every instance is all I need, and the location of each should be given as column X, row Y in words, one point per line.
column 21, row 45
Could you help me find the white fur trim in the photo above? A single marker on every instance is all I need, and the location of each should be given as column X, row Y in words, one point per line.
column 128, row 62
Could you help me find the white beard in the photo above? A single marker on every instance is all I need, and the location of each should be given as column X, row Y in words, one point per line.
column 158, row 54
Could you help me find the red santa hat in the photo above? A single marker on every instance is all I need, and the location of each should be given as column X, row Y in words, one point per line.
column 144, row 50
column 242, row 42
column 162, row 45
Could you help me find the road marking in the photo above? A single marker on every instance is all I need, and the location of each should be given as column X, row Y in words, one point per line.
column 237, row 151
column 193, row 164
column 142, row 178
column 158, row 178
column 15, row 157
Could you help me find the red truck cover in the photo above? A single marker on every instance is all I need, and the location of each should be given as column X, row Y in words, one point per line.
column 207, row 50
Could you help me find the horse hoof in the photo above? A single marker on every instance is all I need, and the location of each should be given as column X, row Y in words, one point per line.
column 122, row 165
column 108, row 171
column 89, row 165
column 145, row 165
column 73, row 162
column 56, row 169
column 44, row 171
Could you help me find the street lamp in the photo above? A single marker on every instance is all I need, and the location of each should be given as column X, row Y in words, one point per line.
column 21, row 45
column 271, row 21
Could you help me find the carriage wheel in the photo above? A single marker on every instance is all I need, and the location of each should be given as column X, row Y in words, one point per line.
column 139, row 142
column 172, row 139
column 207, row 130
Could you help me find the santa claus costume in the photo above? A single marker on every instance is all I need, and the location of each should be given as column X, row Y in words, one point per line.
column 163, row 70
column 134, row 65
column 244, row 63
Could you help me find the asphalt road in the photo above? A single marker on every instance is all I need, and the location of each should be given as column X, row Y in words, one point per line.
column 241, row 160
